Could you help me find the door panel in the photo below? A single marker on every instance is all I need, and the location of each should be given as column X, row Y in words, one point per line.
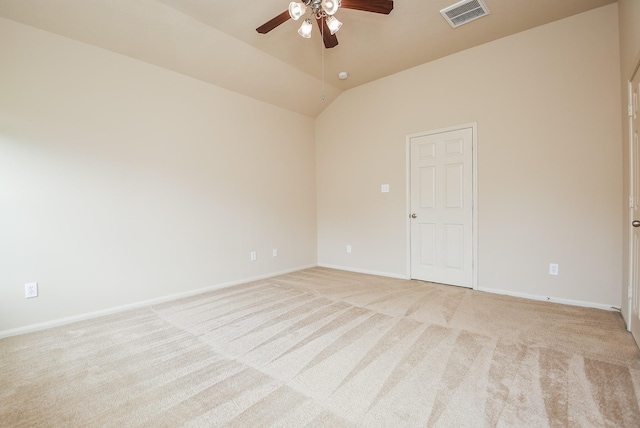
column 427, row 187
column 428, row 240
column 454, row 246
column 441, row 183
column 454, row 186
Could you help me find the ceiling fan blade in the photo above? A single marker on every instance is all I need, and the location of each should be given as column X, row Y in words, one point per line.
column 376, row 6
column 330, row 40
column 273, row 23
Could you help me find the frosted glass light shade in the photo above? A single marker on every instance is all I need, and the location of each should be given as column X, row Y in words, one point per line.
column 330, row 6
column 333, row 24
column 305, row 29
column 296, row 10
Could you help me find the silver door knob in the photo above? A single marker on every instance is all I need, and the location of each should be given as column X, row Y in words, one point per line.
column 635, row 223
column 414, row 215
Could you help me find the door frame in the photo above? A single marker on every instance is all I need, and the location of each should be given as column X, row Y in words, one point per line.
column 630, row 205
column 474, row 195
column 632, row 185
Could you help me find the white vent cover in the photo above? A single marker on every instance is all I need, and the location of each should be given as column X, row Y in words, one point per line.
column 464, row 11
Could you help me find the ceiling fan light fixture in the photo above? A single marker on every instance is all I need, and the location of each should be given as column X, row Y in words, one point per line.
column 296, row 10
column 305, row 29
column 324, row 9
column 333, row 24
column 330, row 6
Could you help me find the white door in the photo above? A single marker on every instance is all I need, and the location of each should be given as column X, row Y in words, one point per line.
column 634, row 313
column 441, row 191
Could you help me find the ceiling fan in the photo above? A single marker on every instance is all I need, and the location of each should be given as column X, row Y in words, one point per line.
column 323, row 11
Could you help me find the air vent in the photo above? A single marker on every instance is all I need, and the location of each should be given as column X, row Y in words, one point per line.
column 464, row 11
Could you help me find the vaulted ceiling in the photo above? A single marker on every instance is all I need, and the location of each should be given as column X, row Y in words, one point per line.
column 215, row 40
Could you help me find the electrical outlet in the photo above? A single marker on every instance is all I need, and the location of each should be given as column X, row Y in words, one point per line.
column 553, row 269
column 254, row 256
column 31, row 290
column 384, row 188
column 349, row 249
column 275, row 252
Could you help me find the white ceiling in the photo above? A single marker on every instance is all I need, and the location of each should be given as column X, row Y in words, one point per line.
column 215, row 40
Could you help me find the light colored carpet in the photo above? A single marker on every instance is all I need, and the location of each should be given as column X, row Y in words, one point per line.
column 328, row 348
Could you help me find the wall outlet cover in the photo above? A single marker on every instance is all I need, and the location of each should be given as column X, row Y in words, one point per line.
column 31, row 290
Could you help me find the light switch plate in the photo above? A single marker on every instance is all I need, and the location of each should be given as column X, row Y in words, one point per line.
column 384, row 188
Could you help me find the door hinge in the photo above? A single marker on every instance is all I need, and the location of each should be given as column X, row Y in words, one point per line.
column 630, row 110
column 630, row 293
column 630, row 201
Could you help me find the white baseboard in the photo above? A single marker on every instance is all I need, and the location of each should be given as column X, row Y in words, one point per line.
column 370, row 272
column 154, row 301
column 162, row 299
column 489, row 290
column 551, row 299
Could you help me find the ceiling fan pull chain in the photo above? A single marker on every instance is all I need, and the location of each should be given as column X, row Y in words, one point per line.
column 322, row 55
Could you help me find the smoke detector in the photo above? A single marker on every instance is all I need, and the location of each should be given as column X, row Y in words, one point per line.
column 464, row 11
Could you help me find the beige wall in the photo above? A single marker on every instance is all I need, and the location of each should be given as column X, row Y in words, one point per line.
column 547, row 105
column 629, row 17
column 122, row 182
